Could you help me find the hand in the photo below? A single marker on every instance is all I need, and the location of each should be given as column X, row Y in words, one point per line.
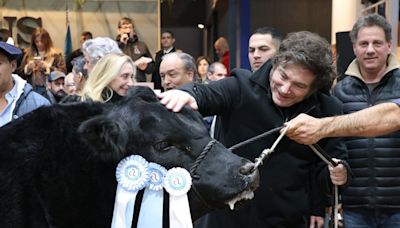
column 124, row 38
column 38, row 65
column 31, row 64
column 142, row 66
column 41, row 64
column 338, row 174
column 316, row 220
column 304, row 129
column 176, row 99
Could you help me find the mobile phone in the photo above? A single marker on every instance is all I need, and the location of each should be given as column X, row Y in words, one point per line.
column 37, row 58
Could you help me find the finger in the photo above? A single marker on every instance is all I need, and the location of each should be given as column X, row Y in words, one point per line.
column 285, row 128
column 312, row 222
column 194, row 106
column 171, row 102
column 338, row 180
column 164, row 98
column 160, row 96
column 179, row 105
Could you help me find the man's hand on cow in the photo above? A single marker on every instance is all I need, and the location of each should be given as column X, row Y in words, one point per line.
column 176, row 99
column 338, row 173
column 304, row 129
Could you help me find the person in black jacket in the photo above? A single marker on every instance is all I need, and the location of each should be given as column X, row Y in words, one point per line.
column 296, row 80
column 167, row 46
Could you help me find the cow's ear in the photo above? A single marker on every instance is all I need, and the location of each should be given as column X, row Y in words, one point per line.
column 106, row 136
column 143, row 93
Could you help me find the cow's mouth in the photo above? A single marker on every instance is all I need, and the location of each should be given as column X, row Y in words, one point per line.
column 245, row 195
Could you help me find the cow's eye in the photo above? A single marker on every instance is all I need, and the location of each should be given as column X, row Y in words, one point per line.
column 163, row 145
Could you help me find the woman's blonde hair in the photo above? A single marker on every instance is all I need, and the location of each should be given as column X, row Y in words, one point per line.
column 106, row 69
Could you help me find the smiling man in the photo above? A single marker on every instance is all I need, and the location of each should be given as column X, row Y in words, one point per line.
column 176, row 70
column 372, row 78
column 296, row 80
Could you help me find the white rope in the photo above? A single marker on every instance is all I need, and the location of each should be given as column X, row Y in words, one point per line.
column 335, row 189
column 266, row 152
column 336, row 208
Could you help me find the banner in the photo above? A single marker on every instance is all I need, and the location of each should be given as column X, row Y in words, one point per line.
column 97, row 16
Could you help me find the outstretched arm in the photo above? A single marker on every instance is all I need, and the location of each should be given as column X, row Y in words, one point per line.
column 176, row 99
column 378, row 120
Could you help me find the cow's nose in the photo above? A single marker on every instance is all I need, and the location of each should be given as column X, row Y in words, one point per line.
column 247, row 168
column 251, row 175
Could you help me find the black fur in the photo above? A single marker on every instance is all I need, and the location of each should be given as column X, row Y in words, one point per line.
column 57, row 164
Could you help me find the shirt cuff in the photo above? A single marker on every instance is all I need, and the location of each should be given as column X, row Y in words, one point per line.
column 396, row 101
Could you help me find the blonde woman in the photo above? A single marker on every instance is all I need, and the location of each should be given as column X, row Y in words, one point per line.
column 110, row 78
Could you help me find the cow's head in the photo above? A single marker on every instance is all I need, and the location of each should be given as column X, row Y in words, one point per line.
column 139, row 124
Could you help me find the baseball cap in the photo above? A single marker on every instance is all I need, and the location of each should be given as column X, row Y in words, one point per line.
column 54, row 75
column 9, row 50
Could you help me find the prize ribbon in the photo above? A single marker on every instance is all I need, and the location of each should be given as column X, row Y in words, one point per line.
column 151, row 210
column 132, row 175
column 177, row 183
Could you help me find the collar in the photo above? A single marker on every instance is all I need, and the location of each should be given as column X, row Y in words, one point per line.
column 18, row 87
column 261, row 76
column 168, row 50
column 354, row 70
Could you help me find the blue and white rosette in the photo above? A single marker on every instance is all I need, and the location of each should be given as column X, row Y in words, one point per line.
column 177, row 183
column 151, row 211
column 132, row 175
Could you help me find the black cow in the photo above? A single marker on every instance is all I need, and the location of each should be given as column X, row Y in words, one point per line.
column 57, row 164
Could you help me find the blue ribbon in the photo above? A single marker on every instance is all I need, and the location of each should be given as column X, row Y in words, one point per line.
column 132, row 175
column 151, row 211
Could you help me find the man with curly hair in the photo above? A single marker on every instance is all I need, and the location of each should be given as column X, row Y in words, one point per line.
column 296, row 80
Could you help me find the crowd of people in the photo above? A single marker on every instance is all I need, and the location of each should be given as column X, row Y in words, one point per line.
column 290, row 84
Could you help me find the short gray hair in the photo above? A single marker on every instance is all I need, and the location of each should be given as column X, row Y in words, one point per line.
column 211, row 68
column 369, row 21
column 96, row 48
column 187, row 60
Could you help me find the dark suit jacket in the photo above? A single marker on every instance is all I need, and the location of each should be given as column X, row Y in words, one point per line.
column 155, row 78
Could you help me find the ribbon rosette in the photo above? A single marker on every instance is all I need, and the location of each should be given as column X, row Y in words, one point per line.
column 132, row 175
column 177, row 183
column 151, row 211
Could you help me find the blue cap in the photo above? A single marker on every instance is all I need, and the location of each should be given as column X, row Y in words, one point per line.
column 9, row 50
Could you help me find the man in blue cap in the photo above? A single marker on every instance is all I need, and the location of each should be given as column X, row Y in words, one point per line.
column 16, row 95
